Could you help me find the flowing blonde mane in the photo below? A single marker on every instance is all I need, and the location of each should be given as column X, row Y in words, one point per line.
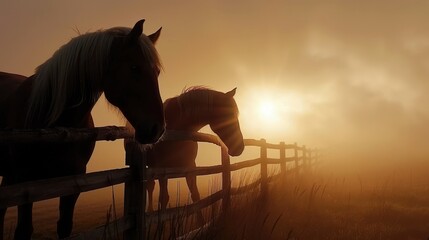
column 75, row 71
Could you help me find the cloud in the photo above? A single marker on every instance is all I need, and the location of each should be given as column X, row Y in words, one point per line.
column 360, row 68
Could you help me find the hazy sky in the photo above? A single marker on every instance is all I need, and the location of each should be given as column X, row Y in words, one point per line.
column 349, row 74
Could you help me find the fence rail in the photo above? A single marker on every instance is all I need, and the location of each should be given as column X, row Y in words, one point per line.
column 108, row 133
column 21, row 193
column 133, row 223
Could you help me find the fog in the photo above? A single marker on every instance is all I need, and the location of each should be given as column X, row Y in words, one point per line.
column 347, row 77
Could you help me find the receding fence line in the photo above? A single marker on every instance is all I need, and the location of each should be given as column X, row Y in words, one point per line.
column 134, row 223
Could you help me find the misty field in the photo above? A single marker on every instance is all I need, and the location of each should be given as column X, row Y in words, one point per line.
column 331, row 206
column 323, row 204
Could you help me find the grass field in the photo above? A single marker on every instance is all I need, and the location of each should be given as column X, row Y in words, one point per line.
column 321, row 205
column 326, row 206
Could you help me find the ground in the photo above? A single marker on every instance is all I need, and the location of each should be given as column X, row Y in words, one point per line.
column 316, row 205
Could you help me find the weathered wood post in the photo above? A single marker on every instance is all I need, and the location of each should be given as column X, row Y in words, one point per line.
column 295, row 152
column 135, row 191
column 316, row 157
column 226, row 178
column 264, row 168
column 283, row 158
column 304, row 159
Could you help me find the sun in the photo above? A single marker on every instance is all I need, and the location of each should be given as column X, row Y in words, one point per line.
column 271, row 111
column 267, row 111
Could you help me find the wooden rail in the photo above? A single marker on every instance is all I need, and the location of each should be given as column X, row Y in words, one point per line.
column 134, row 222
column 21, row 193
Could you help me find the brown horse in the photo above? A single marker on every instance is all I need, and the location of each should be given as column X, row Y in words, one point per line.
column 121, row 62
column 193, row 109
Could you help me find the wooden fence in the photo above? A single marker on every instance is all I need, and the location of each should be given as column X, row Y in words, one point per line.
column 134, row 222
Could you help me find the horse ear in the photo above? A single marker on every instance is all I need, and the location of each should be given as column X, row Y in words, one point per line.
column 137, row 30
column 154, row 36
column 231, row 93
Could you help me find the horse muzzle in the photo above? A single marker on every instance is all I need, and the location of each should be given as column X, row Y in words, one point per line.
column 149, row 134
column 236, row 150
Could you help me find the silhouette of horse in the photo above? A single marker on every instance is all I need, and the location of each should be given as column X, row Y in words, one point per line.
column 193, row 109
column 121, row 62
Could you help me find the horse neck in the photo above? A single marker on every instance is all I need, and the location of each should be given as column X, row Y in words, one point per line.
column 179, row 116
column 78, row 115
column 14, row 106
column 70, row 77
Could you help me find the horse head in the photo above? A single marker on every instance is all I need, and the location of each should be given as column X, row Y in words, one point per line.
column 224, row 122
column 131, row 83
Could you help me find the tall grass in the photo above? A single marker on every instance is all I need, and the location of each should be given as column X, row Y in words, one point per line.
column 317, row 206
column 310, row 206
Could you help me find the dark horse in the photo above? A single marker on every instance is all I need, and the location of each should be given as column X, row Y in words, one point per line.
column 193, row 109
column 121, row 62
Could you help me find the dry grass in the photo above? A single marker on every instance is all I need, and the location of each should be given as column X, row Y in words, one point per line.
column 321, row 207
column 316, row 206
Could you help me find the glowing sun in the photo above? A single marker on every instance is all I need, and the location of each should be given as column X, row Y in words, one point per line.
column 271, row 110
column 267, row 111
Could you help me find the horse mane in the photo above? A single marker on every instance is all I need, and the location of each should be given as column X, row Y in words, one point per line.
column 77, row 68
column 196, row 101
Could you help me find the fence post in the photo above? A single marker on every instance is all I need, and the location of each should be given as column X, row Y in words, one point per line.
column 264, row 168
column 226, row 178
column 283, row 158
column 304, row 158
column 135, row 192
column 316, row 157
column 295, row 152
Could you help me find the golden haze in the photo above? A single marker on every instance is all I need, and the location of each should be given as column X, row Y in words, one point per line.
column 347, row 76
